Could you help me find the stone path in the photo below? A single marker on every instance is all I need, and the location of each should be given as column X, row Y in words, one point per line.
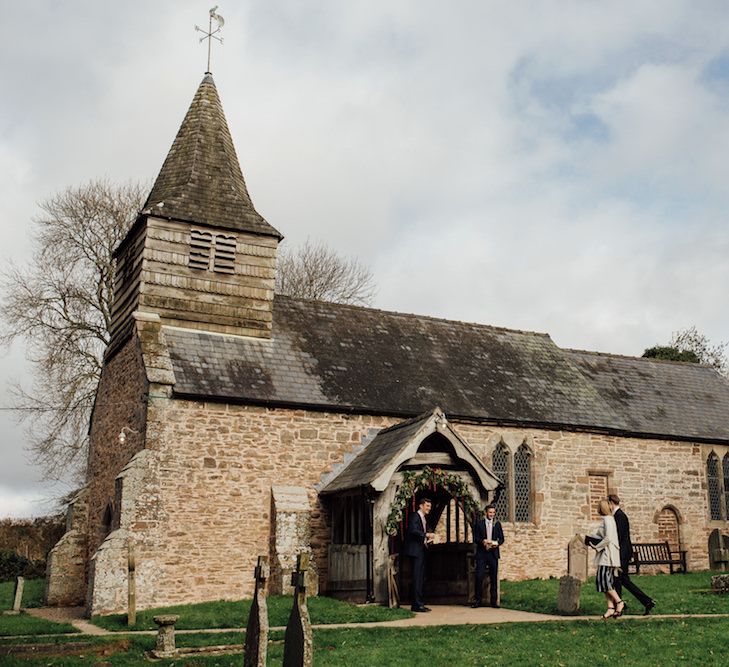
column 440, row 615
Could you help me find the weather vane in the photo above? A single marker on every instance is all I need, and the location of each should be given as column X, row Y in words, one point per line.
column 211, row 34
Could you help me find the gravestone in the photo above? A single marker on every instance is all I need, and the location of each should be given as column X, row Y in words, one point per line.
column 568, row 598
column 298, row 642
column 165, row 646
column 18, row 596
column 720, row 584
column 256, row 645
column 577, row 558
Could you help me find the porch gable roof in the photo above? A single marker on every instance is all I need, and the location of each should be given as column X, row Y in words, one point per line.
column 378, row 461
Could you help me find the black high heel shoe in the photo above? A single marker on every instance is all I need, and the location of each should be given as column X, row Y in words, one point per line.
column 619, row 611
column 610, row 613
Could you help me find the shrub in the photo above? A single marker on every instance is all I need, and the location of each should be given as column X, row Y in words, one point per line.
column 14, row 565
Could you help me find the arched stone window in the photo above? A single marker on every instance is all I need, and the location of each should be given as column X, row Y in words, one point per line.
column 523, row 484
column 107, row 520
column 668, row 530
column 500, row 466
column 714, row 486
column 725, row 466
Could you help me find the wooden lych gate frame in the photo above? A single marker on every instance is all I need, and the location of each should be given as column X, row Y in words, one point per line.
column 365, row 495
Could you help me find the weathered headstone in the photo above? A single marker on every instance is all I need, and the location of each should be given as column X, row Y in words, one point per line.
column 256, row 645
column 165, row 647
column 18, row 596
column 568, row 598
column 298, row 642
column 720, row 584
column 132, row 586
column 577, row 558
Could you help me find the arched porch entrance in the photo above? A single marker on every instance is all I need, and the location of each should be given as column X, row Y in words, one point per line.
column 370, row 500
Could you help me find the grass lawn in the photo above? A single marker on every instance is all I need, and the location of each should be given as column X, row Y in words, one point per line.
column 569, row 644
column 674, row 594
column 33, row 592
column 235, row 614
column 22, row 624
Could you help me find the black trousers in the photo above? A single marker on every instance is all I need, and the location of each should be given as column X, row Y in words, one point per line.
column 623, row 581
column 492, row 564
column 418, row 565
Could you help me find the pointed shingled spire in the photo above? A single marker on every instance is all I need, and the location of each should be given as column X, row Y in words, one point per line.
column 201, row 180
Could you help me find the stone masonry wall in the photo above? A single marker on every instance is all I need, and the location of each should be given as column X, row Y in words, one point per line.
column 647, row 475
column 217, row 464
column 121, row 402
column 66, row 567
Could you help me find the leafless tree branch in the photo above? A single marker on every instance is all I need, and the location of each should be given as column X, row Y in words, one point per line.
column 315, row 271
column 59, row 305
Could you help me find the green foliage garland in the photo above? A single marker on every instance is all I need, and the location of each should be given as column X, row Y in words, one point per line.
column 429, row 479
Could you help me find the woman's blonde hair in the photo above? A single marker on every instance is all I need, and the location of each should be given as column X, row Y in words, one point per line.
column 603, row 507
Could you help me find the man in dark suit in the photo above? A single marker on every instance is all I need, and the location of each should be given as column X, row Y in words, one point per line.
column 416, row 539
column 626, row 553
column 488, row 536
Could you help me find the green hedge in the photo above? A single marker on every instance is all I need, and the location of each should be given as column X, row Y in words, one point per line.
column 14, row 565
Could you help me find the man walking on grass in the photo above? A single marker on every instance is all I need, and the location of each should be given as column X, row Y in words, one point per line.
column 626, row 552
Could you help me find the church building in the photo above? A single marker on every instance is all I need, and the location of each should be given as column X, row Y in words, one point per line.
column 232, row 422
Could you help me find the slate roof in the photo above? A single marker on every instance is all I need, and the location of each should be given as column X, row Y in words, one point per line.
column 201, row 179
column 376, row 456
column 653, row 396
column 330, row 356
column 378, row 459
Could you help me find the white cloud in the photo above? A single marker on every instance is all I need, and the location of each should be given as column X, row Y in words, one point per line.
column 555, row 167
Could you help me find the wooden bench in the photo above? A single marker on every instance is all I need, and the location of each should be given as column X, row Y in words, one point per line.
column 656, row 553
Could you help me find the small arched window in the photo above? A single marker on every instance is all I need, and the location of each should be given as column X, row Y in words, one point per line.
column 523, row 484
column 714, row 486
column 500, row 466
column 668, row 529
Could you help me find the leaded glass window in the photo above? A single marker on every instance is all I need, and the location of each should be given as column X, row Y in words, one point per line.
column 500, row 466
column 714, row 483
column 522, row 484
column 725, row 466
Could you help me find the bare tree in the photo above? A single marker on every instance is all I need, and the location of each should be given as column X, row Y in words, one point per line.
column 315, row 271
column 692, row 346
column 59, row 305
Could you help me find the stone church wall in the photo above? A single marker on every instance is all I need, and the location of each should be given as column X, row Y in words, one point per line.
column 647, row 474
column 120, row 404
column 217, row 464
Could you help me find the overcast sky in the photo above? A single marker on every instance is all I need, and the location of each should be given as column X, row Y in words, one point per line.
column 549, row 166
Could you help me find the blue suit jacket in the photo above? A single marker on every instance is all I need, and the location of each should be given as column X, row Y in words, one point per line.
column 414, row 537
column 479, row 535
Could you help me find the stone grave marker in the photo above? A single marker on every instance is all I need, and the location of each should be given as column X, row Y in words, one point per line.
column 720, row 584
column 568, row 598
column 18, row 596
column 256, row 645
column 298, row 642
column 165, row 647
column 577, row 558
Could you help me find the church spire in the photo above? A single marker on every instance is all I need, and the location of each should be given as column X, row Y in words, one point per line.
column 201, row 179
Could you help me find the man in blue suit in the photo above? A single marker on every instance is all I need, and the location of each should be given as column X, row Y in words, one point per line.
column 416, row 539
column 488, row 536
